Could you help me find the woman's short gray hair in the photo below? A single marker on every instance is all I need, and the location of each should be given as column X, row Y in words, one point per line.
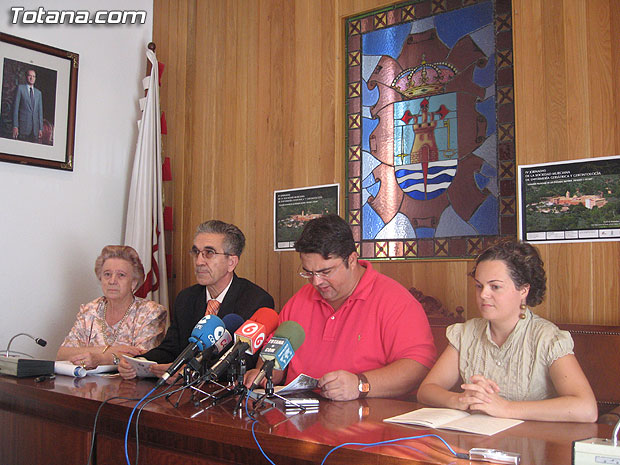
column 123, row 252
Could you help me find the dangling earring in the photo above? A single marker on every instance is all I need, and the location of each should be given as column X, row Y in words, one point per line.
column 522, row 314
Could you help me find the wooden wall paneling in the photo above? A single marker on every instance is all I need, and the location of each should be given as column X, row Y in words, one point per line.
column 332, row 159
column 607, row 303
column 229, row 174
column 282, row 111
column 604, row 86
column 553, row 108
column 447, row 281
column 268, row 149
column 529, row 81
column 606, row 277
column 599, row 77
column 185, row 102
column 173, row 34
column 304, row 113
column 569, row 288
column 577, row 106
column 179, row 93
column 529, row 77
column 615, row 57
column 259, row 89
column 560, row 301
column 248, row 46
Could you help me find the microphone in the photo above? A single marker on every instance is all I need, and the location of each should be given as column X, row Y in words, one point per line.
column 256, row 330
column 232, row 321
column 248, row 338
column 38, row 340
column 205, row 334
column 280, row 349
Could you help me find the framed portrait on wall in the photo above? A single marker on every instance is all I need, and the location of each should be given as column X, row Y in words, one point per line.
column 37, row 111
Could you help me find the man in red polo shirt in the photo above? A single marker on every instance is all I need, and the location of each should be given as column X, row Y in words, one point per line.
column 366, row 335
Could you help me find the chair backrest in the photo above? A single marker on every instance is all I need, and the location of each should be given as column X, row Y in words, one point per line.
column 597, row 349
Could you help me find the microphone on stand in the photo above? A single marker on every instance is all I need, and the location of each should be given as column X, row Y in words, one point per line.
column 205, row 334
column 232, row 322
column 280, row 349
column 38, row 340
column 22, row 367
column 249, row 338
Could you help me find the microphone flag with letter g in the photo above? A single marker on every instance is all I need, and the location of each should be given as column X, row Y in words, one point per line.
column 255, row 331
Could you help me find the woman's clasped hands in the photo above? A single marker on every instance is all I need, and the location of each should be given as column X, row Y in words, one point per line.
column 482, row 394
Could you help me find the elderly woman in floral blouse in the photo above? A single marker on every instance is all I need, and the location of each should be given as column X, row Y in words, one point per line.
column 118, row 322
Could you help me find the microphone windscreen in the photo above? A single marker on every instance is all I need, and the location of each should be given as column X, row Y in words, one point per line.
column 232, row 321
column 267, row 317
column 292, row 331
column 207, row 331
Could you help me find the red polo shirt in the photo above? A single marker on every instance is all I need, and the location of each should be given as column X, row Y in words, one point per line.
column 379, row 323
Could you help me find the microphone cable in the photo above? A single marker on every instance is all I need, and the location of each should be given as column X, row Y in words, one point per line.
column 363, row 444
column 159, row 396
column 92, row 442
column 393, row 441
column 129, row 422
column 254, row 422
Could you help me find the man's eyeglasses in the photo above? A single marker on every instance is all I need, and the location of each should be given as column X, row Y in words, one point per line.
column 207, row 254
column 323, row 274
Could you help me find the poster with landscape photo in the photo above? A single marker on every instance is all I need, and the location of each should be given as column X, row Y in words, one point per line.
column 293, row 208
column 572, row 201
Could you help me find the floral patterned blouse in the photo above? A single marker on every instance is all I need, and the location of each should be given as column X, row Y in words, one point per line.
column 144, row 326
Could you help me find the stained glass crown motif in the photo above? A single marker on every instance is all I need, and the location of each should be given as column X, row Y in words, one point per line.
column 425, row 79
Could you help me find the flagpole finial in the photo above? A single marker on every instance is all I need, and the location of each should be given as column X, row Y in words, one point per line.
column 151, row 46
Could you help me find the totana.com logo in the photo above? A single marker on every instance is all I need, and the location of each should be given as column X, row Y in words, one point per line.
column 42, row 16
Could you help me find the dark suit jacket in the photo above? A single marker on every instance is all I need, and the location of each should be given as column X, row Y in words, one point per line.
column 28, row 119
column 243, row 298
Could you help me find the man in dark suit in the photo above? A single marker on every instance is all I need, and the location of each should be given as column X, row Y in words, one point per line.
column 28, row 110
column 216, row 251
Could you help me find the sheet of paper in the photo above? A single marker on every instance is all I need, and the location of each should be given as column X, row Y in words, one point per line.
column 141, row 366
column 301, row 383
column 65, row 367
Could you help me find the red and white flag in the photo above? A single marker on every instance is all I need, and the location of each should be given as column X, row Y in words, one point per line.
column 145, row 223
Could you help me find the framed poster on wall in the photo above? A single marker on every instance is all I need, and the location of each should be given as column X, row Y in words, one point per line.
column 293, row 208
column 570, row 201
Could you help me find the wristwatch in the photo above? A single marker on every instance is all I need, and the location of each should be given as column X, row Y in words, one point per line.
column 363, row 386
column 115, row 359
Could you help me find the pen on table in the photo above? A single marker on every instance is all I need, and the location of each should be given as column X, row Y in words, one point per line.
column 91, row 332
column 43, row 378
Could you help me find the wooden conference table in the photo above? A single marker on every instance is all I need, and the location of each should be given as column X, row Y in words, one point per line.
column 51, row 422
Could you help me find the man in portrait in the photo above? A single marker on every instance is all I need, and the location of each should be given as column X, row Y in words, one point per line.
column 28, row 110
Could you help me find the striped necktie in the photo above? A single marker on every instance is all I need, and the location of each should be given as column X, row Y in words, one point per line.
column 212, row 307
